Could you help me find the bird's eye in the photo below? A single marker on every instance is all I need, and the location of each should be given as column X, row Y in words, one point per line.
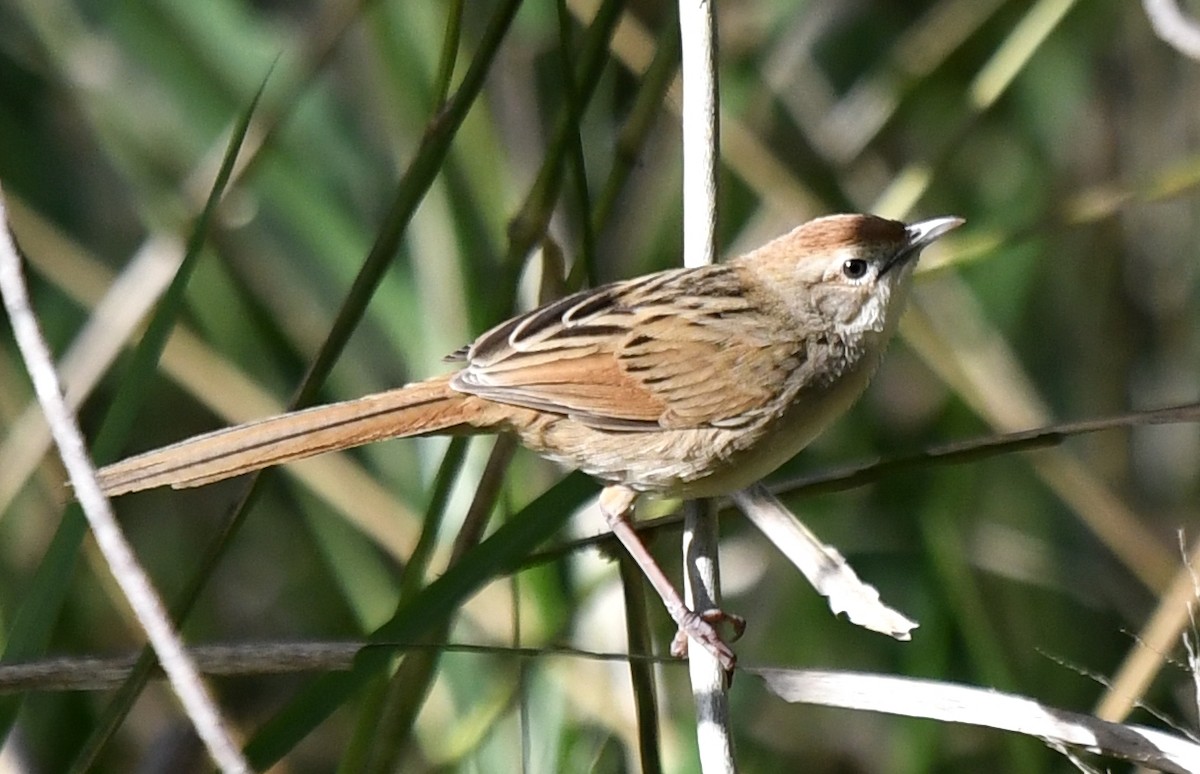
column 855, row 268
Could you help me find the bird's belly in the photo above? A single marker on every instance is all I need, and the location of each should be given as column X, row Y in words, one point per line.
column 775, row 444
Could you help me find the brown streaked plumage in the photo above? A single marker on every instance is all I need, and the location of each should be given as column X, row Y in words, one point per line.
column 689, row 382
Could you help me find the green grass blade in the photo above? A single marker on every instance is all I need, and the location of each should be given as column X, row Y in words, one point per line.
column 500, row 554
column 44, row 599
column 123, row 413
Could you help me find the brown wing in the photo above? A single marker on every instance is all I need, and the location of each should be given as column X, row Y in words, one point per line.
column 675, row 349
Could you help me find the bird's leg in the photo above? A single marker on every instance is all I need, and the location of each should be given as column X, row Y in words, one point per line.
column 616, row 503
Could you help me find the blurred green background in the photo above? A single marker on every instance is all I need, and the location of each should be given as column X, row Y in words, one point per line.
column 1065, row 133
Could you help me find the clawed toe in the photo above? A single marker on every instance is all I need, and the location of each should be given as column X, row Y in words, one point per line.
column 717, row 616
column 702, row 627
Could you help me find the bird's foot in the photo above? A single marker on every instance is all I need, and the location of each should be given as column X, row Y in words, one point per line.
column 702, row 627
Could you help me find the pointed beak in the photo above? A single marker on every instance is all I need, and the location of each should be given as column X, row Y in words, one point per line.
column 921, row 234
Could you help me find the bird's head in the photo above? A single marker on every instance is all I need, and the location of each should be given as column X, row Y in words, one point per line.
column 848, row 273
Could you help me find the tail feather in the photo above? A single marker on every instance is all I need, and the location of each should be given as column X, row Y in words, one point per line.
column 416, row 409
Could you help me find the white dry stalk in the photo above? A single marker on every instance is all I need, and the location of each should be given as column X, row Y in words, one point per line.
column 697, row 29
column 1173, row 27
column 1193, row 660
column 951, row 703
column 130, row 576
column 825, row 568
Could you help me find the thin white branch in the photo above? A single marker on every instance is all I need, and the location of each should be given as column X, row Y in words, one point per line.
column 1193, row 657
column 1173, row 27
column 130, row 298
column 116, row 550
column 952, row 703
column 697, row 28
column 702, row 585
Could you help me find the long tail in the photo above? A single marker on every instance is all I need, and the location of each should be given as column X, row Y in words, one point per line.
column 415, row 409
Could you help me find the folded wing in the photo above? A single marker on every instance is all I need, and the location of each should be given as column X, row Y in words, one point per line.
column 678, row 349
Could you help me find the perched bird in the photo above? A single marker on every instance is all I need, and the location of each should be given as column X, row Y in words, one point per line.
column 689, row 382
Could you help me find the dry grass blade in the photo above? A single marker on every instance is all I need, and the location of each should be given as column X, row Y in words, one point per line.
column 825, row 568
column 1157, row 639
column 952, row 703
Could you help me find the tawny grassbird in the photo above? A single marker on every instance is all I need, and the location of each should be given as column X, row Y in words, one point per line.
column 687, row 382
